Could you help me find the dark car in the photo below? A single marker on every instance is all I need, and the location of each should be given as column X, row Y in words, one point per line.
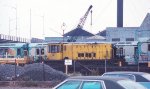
column 98, row 82
column 141, row 77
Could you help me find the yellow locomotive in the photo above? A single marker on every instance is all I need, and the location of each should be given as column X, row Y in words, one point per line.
column 79, row 51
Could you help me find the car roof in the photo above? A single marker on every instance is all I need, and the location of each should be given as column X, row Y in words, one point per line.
column 138, row 75
column 126, row 72
column 110, row 83
column 97, row 78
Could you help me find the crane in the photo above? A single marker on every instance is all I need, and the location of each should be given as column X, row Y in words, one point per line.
column 83, row 19
column 75, row 33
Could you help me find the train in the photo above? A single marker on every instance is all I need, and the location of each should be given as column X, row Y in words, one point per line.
column 13, row 53
column 128, row 53
column 79, row 51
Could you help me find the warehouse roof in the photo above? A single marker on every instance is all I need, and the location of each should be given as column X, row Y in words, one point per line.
column 78, row 32
column 146, row 21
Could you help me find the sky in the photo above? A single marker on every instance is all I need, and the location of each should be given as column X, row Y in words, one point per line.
column 44, row 18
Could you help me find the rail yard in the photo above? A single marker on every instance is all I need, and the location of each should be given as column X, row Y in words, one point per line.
column 42, row 64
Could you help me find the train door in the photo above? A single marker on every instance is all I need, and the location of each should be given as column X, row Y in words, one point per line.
column 120, row 53
column 40, row 53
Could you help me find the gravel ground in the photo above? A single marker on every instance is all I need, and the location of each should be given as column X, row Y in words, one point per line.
column 34, row 72
column 22, row 88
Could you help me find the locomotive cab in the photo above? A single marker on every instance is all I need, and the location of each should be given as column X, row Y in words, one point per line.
column 55, row 51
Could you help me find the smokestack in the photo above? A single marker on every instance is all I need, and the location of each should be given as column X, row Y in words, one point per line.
column 119, row 13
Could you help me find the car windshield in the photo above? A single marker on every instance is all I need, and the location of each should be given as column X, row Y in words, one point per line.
column 91, row 85
column 147, row 76
column 72, row 84
column 76, row 84
column 128, row 84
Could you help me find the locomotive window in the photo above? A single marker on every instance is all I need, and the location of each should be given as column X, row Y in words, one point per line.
column 82, row 54
column 148, row 47
column 90, row 55
column 54, row 48
column 94, row 54
column 79, row 54
column 86, row 55
column 49, row 49
column 37, row 51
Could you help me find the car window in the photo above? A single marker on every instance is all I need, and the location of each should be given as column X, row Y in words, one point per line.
column 128, row 84
column 91, row 85
column 132, row 77
column 71, row 84
column 145, row 84
column 121, row 75
column 147, row 76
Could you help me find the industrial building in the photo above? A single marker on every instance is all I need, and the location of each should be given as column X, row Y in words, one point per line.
column 119, row 34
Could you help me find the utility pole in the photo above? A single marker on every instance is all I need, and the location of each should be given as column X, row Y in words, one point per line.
column 9, row 27
column 30, row 25
column 63, row 28
column 43, row 25
column 16, row 21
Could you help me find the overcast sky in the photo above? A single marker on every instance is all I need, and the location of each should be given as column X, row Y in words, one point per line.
column 56, row 12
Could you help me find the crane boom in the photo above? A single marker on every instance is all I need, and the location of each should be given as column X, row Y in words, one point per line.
column 82, row 20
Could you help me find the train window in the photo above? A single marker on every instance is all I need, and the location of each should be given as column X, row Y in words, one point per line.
column 94, row 54
column 90, row 55
column 25, row 52
column 115, row 39
column 121, row 51
column 82, row 54
column 49, row 49
column 37, row 51
column 57, row 50
column 54, row 48
column 18, row 51
column 86, row 55
column 42, row 51
column 79, row 54
column 129, row 39
column 6, row 50
column 1, row 52
column 148, row 47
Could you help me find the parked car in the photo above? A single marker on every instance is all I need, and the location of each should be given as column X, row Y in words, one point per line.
column 141, row 77
column 98, row 82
